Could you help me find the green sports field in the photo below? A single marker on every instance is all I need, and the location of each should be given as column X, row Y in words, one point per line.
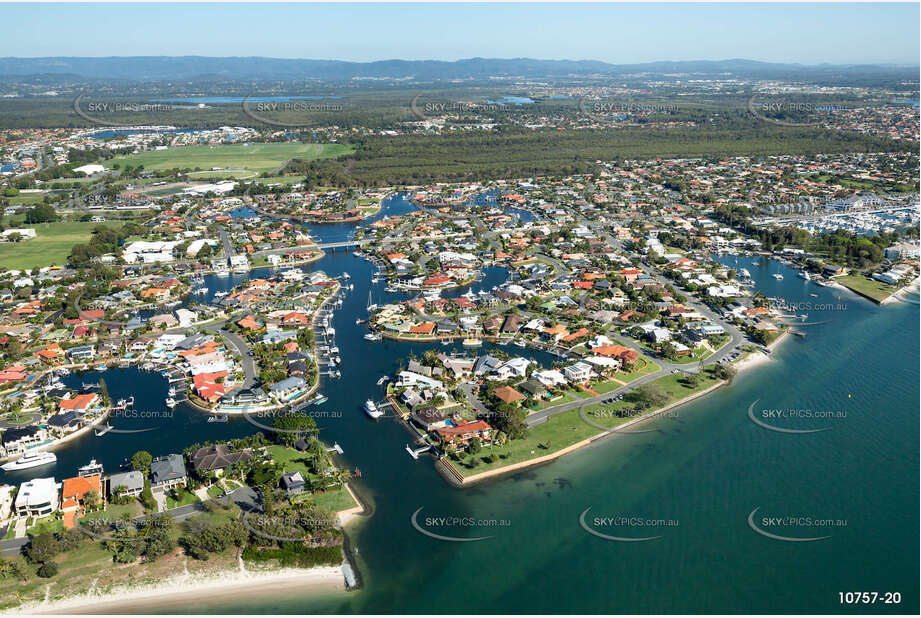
column 253, row 157
column 50, row 247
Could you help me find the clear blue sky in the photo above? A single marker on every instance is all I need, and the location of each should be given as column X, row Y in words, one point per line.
column 619, row 33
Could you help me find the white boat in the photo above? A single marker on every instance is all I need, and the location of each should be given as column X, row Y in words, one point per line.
column 805, row 275
column 371, row 409
column 519, row 343
column 170, row 402
column 346, row 276
column 777, row 276
column 91, row 469
column 32, row 460
column 383, row 379
column 220, row 294
column 373, row 337
column 172, row 391
column 471, row 342
column 124, row 403
column 218, row 419
column 338, row 360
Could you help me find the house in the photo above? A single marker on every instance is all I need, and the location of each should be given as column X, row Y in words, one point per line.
column 458, row 435
column 287, row 386
column 17, row 439
column 293, row 483
column 73, row 496
column 508, row 394
column 167, row 472
column 429, row 418
column 218, row 458
column 37, row 498
column 578, row 373
column 126, row 483
column 81, row 403
column 534, row 388
column 80, row 353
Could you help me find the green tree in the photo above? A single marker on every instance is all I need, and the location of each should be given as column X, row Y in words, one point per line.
column 141, row 461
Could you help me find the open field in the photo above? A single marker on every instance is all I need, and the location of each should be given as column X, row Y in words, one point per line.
column 872, row 289
column 50, row 247
column 252, row 157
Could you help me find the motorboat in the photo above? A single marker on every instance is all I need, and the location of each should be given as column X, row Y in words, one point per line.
column 172, row 391
column 373, row 337
column 170, row 402
column 222, row 418
column 471, row 342
column 383, row 379
column 805, row 275
column 91, row 469
column 777, row 276
column 371, row 409
column 32, row 460
column 124, row 403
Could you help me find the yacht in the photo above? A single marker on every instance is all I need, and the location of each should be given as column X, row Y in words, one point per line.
column 32, row 460
column 170, row 402
column 472, row 342
column 777, row 276
column 371, row 410
column 338, row 360
column 172, row 391
column 221, row 418
column 373, row 337
column 124, row 403
column 91, row 469
column 320, row 398
column 383, row 379
column 805, row 275
column 220, row 294
column 520, row 343
column 346, row 276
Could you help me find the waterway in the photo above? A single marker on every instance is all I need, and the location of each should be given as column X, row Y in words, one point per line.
column 705, row 468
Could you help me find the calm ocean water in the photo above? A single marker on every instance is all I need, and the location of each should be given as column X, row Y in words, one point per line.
column 705, row 469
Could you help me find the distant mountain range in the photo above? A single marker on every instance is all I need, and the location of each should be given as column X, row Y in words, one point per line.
column 157, row 68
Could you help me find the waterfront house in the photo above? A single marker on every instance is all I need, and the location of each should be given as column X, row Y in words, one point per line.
column 126, row 483
column 458, row 435
column 81, row 353
column 217, row 458
column 167, row 472
column 293, row 483
column 429, row 418
column 286, row 387
column 37, row 498
column 73, row 496
column 17, row 439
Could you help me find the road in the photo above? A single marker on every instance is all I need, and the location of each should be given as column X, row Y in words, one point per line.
column 248, row 362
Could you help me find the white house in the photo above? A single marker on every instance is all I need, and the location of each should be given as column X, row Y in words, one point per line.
column 37, row 498
column 578, row 372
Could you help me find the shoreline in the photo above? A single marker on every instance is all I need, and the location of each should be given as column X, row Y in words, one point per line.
column 469, row 481
column 179, row 591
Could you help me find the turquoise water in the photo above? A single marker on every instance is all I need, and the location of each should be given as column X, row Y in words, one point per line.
column 706, row 468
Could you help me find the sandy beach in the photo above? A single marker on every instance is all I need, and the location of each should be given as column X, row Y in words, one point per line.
column 180, row 592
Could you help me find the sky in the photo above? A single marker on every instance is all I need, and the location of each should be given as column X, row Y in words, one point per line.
column 617, row 33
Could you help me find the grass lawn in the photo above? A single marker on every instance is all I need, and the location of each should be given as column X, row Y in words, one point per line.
column 186, row 497
column 291, row 460
column 334, row 500
column 50, row 247
column 559, row 431
column 254, row 157
column 117, row 512
column 605, row 387
column 46, row 524
column 876, row 290
column 696, row 354
column 544, row 403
